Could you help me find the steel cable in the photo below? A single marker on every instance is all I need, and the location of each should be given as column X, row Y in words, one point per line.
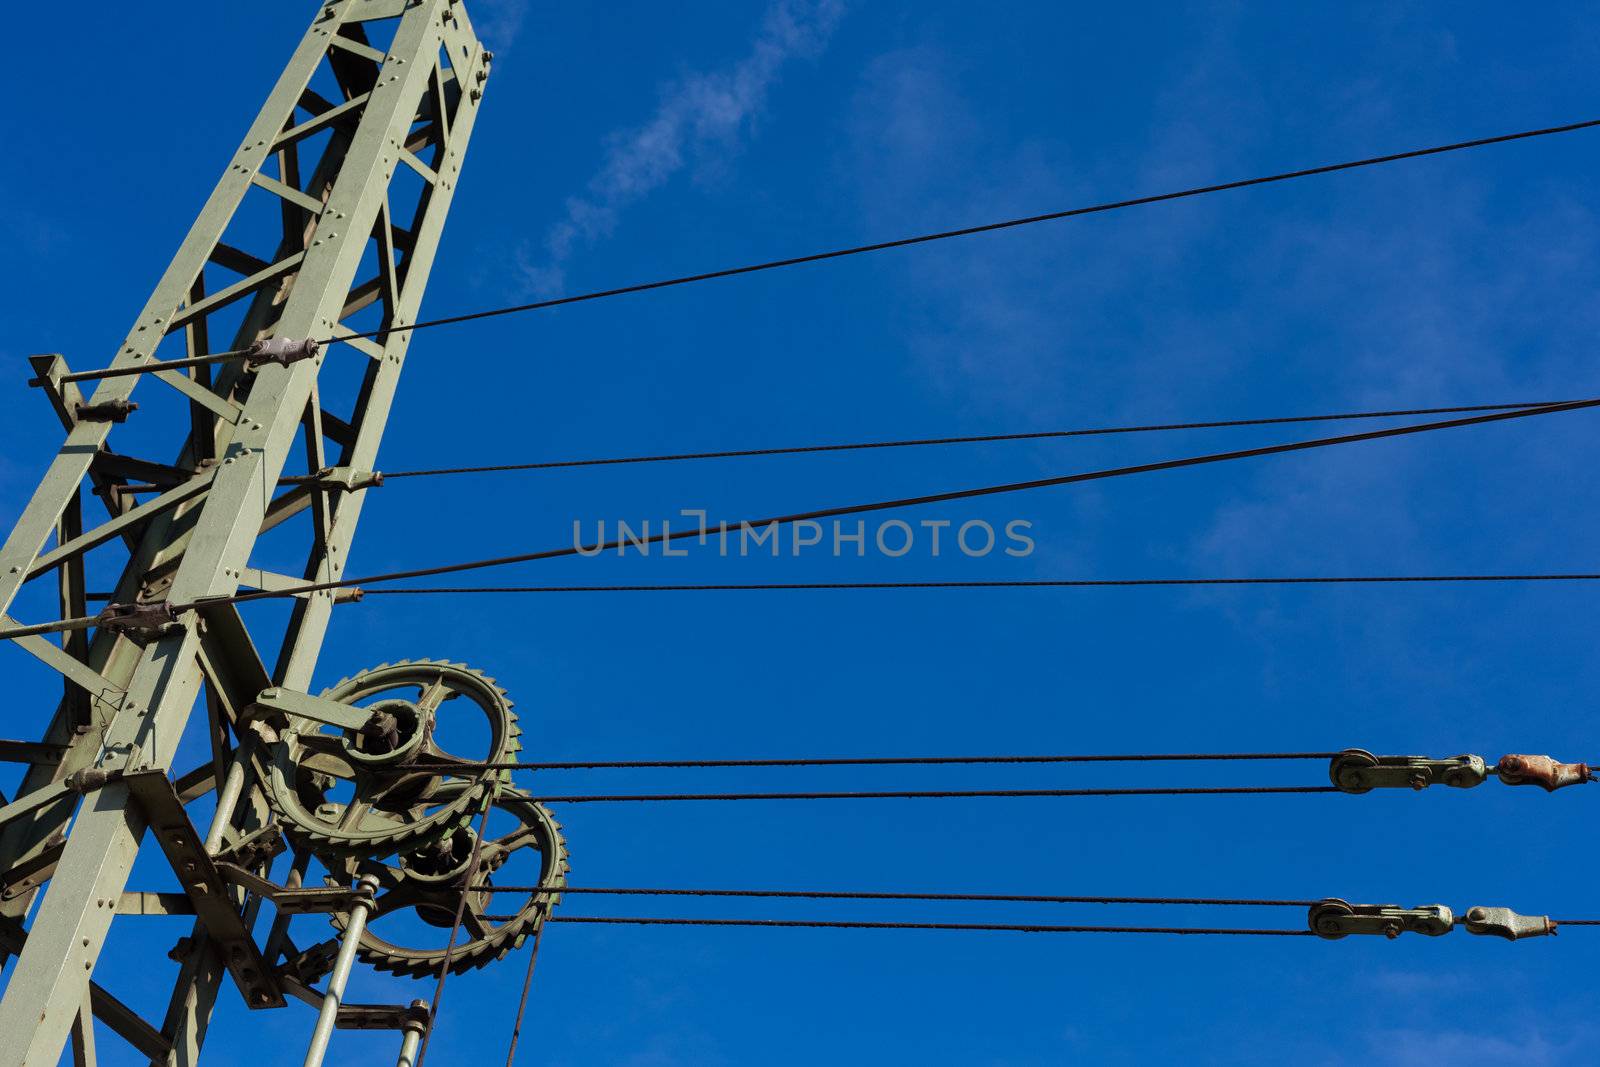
column 871, row 761
column 978, row 439
column 825, row 894
column 885, row 505
column 455, row 929
column 1016, row 583
column 1020, row 928
column 942, row 794
column 968, row 231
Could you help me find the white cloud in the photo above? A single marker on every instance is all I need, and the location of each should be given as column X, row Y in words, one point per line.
column 701, row 118
column 499, row 22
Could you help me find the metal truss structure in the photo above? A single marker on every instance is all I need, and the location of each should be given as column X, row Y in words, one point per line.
column 323, row 226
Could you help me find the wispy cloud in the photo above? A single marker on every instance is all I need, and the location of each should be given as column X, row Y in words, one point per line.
column 499, row 22
column 701, row 118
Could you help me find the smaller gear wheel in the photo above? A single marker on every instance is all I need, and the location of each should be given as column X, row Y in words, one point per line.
column 428, row 884
column 370, row 793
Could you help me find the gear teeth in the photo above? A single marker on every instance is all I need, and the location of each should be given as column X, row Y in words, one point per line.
column 319, row 837
column 505, row 938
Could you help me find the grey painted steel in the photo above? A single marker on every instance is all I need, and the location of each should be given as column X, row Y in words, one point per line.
column 227, row 801
column 128, row 704
column 411, row 1043
column 333, row 996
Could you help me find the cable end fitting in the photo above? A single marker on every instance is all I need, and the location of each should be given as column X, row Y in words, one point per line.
column 1542, row 771
column 107, row 411
column 280, row 350
column 142, row 622
column 91, row 778
column 1503, row 922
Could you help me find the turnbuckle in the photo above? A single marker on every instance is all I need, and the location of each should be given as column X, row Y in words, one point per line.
column 1356, row 770
column 1333, row 919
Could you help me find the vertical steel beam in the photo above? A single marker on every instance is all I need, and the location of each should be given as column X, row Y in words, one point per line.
column 249, row 424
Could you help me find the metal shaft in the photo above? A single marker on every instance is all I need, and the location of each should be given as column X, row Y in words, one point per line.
column 227, row 800
column 416, row 1027
column 334, row 996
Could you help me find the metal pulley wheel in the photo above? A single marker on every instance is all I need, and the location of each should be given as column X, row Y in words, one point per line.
column 390, row 786
column 427, row 886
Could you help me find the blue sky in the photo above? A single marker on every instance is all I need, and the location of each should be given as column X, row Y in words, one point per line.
column 624, row 142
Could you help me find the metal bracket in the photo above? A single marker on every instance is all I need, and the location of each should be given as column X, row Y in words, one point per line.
column 382, row 1016
column 1542, row 771
column 1356, row 770
column 306, row 900
column 305, row 706
column 280, row 350
column 204, row 884
column 41, row 753
column 1503, row 922
column 1334, row 918
column 255, row 848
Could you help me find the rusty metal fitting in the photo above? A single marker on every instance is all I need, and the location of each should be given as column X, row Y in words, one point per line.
column 350, row 594
column 89, row 779
column 1542, row 771
column 1334, row 918
column 1356, row 770
column 139, row 621
column 1503, row 922
column 107, row 411
column 280, row 350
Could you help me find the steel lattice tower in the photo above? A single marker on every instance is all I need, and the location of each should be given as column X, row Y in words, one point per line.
column 352, row 163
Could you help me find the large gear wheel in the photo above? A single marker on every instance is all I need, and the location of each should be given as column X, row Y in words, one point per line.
column 348, row 795
column 427, row 887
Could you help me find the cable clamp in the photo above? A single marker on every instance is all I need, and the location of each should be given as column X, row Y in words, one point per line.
column 346, row 479
column 1334, row 918
column 1356, row 770
column 1542, row 771
column 142, row 622
column 280, row 350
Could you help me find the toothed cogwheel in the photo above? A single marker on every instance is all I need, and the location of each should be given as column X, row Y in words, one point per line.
column 429, row 883
column 347, row 794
